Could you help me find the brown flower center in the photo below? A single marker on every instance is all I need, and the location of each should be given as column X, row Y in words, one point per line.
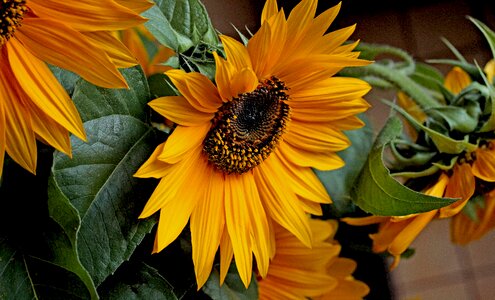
column 11, row 14
column 247, row 129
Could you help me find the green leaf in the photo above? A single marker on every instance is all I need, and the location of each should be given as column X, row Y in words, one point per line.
column 456, row 117
column 99, row 183
column 160, row 86
column 378, row 193
column 94, row 196
column 160, row 28
column 181, row 24
column 232, row 288
column 15, row 282
column 427, row 76
column 339, row 183
column 137, row 281
column 66, row 78
column 93, row 102
column 444, row 144
column 487, row 32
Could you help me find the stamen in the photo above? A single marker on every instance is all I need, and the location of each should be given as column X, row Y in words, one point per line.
column 247, row 129
column 11, row 15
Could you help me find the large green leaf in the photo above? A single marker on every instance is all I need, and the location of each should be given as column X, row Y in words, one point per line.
column 94, row 102
column 180, row 24
column 339, row 182
column 94, row 196
column 232, row 288
column 377, row 192
column 137, row 281
column 99, row 184
column 36, row 261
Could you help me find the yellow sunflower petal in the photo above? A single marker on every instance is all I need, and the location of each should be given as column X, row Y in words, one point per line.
column 50, row 131
column 303, row 180
column 38, row 82
column 316, row 137
column 182, row 140
column 365, row 220
column 194, row 87
column 167, row 189
column 20, row 142
column 318, row 160
column 265, row 46
column 237, row 54
column 300, row 18
column 118, row 53
column 178, row 110
column 456, row 80
column 60, row 45
column 387, row 233
column 461, row 185
column 138, row 6
column 340, row 110
column 333, row 40
column 239, row 225
column 269, row 10
column 404, row 239
column 281, row 204
column 490, row 70
column 243, row 82
column 207, row 226
column 226, row 254
column 88, row 15
column 154, row 167
column 484, row 165
column 260, row 237
column 170, row 228
column 328, row 91
column 223, row 74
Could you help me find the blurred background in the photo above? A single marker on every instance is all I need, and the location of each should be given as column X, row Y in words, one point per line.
column 439, row 269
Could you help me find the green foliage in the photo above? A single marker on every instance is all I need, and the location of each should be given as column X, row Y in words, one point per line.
column 339, row 183
column 185, row 27
column 232, row 288
column 377, row 192
column 138, row 281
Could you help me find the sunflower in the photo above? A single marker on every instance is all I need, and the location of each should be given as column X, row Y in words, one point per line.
column 472, row 174
column 299, row 272
column 133, row 39
column 74, row 35
column 242, row 151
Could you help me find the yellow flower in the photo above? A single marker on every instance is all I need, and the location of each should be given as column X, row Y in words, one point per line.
column 132, row 39
column 395, row 234
column 299, row 272
column 74, row 35
column 242, row 151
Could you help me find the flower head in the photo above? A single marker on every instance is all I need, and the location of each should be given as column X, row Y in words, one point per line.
column 467, row 176
column 299, row 272
column 242, row 151
column 74, row 35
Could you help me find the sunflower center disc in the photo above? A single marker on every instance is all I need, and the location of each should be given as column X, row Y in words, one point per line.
column 11, row 14
column 247, row 129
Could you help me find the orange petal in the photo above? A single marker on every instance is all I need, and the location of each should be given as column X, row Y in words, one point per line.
column 38, row 82
column 154, row 167
column 461, row 185
column 178, row 110
column 456, row 80
column 281, row 204
column 182, row 140
column 175, row 214
column 484, row 165
column 238, row 225
column 207, row 226
column 236, row 52
column 197, row 89
column 118, row 53
column 19, row 141
column 58, row 44
column 88, row 15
